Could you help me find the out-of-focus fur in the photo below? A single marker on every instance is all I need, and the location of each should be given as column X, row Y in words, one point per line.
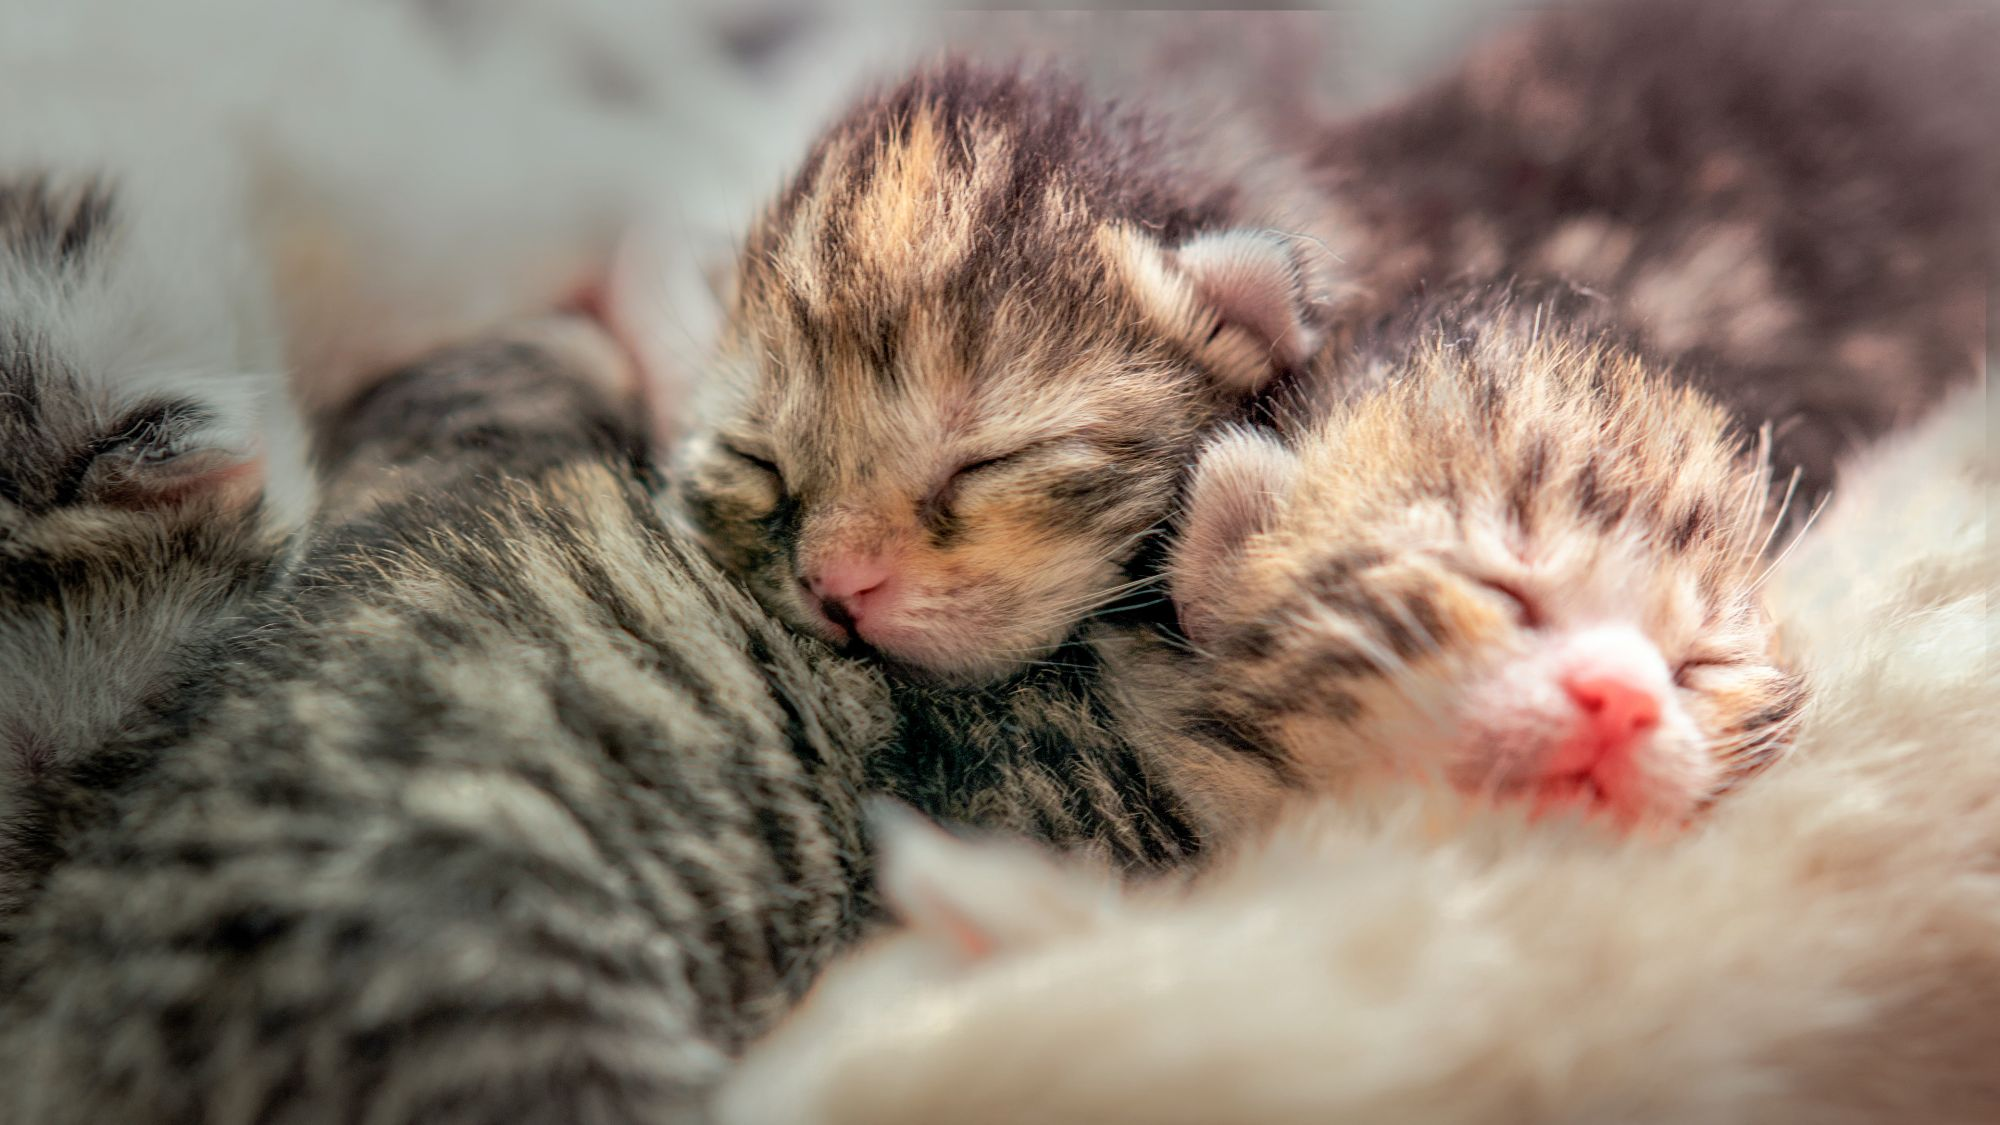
column 151, row 462
column 510, row 807
column 1799, row 202
column 1825, row 948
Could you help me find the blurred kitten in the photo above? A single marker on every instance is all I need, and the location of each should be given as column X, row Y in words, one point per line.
column 1797, row 202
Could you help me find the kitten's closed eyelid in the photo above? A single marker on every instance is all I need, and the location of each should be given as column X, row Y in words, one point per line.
column 1527, row 611
column 752, row 459
column 983, row 464
column 1699, row 662
column 155, row 434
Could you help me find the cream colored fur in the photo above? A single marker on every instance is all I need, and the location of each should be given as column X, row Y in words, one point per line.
column 1824, row 948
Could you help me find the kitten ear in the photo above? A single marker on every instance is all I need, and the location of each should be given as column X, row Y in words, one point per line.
column 664, row 302
column 1241, row 480
column 1250, row 304
column 976, row 899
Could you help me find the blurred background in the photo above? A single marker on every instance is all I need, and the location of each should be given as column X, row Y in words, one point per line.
column 417, row 168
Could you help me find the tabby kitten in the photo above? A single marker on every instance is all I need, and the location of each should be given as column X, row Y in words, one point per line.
column 150, row 463
column 512, row 807
column 968, row 351
column 1510, row 553
column 1798, row 203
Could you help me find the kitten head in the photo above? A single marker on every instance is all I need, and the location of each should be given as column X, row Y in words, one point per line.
column 1524, row 564
column 149, row 458
column 967, row 353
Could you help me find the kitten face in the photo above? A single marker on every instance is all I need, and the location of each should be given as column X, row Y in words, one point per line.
column 1526, row 566
column 968, row 353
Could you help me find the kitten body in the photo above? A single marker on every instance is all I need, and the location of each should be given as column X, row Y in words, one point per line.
column 510, row 807
column 506, row 804
column 1795, row 202
column 1821, row 949
column 151, row 463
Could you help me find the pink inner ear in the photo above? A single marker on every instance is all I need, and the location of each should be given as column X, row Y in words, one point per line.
column 1254, row 283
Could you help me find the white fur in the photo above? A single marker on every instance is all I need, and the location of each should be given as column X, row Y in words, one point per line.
column 1825, row 947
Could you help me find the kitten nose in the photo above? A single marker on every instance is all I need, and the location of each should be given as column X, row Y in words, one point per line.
column 1614, row 711
column 848, row 585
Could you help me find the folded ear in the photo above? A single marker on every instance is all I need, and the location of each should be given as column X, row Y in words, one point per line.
column 977, row 899
column 1241, row 480
column 1249, row 304
column 664, row 302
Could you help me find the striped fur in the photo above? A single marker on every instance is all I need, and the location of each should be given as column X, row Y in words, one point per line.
column 514, row 809
column 151, row 465
column 974, row 340
column 510, row 806
column 1798, row 201
column 1495, row 480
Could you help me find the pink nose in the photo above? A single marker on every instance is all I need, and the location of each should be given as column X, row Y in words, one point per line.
column 850, row 584
column 1613, row 712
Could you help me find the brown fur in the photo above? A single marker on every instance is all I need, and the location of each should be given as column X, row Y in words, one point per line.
column 1502, row 480
column 978, row 335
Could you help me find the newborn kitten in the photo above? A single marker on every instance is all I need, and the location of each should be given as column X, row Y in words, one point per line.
column 969, row 349
column 512, row 807
column 1826, row 949
column 1798, row 203
column 150, row 462
column 1512, row 554
column 499, row 714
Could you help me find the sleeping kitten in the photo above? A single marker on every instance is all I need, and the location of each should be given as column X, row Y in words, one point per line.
column 512, row 807
column 1512, row 554
column 150, row 462
column 1798, row 203
column 505, row 805
column 1827, row 949
column 970, row 347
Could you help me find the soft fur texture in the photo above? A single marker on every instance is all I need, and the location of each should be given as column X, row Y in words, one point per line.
column 1794, row 199
column 1503, row 508
column 1825, row 948
column 968, row 349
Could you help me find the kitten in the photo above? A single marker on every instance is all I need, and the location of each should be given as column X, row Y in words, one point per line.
column 1795, row 202
column 151, row 465
column 499, row 713
column 1824, row 950
column 1512, row 552
column 510, row 806
column 968, row 350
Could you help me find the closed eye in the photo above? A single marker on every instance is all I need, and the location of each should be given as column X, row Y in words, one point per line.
column 1686, row 669
column 1526, row 611
column 972, row 468
column 155, row 434
column 751, row 459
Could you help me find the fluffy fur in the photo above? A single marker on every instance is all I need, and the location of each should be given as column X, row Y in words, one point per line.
column 968, row 349
column 511, row 805
column 1497, row 504
column 1822, row 949
column 151, row 463
column 1796, row 201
